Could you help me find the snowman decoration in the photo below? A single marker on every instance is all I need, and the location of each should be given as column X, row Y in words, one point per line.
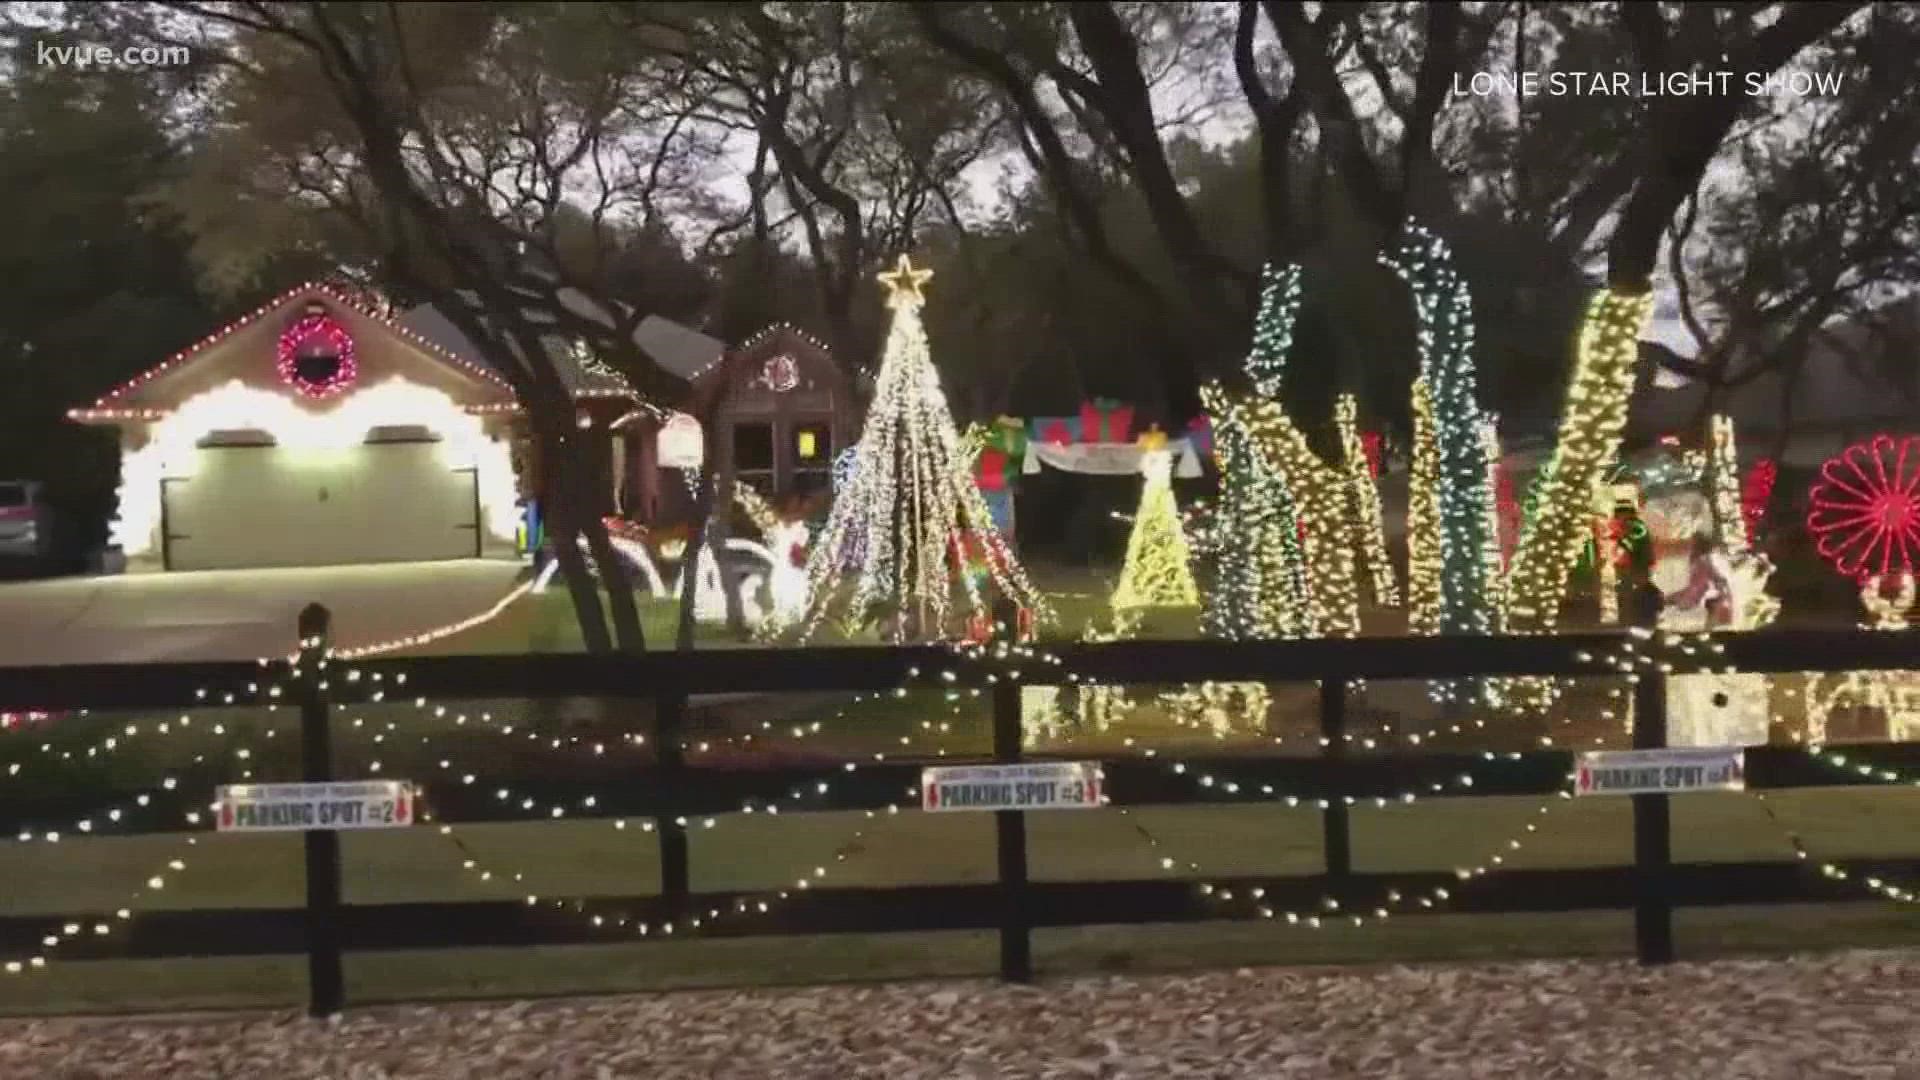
column 787, row 586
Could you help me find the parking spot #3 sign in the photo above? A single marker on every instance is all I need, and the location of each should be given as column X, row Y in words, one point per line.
column 1038, row 785
column 1656, row 772
column 359, row 804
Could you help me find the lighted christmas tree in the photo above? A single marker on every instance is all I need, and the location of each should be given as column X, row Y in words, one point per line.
column 1464, row 495
column 910, row 515
column 1423, row 519
column 1363, row 501
column 1158, row 571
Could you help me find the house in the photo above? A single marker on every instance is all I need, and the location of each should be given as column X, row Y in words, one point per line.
column 781, row 407
column 603, row 401
column 313, row 431
column 783, row 412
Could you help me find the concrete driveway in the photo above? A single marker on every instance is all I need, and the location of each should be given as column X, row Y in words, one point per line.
column 234, row 614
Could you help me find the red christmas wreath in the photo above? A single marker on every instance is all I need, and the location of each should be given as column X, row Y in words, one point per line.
column 316, row 356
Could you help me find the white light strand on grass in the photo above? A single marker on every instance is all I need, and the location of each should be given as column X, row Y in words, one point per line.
column 1872, row 883
column 108, row 818
column 75, row 928
column 1461, row 782
column 1330, row 910
column 754, row 904
column 428, row 637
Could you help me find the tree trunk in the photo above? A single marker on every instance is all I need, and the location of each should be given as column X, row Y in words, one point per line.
column 719, row 530
column 690, row 563
column 571, row 502
column 1683, row 134
column 566, row 550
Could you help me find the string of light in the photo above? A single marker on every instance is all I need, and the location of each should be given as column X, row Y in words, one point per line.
column 73, row 929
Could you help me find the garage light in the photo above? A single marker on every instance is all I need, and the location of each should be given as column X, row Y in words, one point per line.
column 174, row 443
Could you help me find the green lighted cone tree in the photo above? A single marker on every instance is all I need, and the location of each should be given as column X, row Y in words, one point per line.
column 1423, row 519
column 1260, row 586
column 910, row 517
column 1590, row 430
column 1445, row 309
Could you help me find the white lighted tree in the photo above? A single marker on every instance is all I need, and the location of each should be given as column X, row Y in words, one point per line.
column 1158, row 571
column 910, row 516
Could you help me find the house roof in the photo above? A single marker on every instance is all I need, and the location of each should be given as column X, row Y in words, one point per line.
column 148, row 396
column 678, row 349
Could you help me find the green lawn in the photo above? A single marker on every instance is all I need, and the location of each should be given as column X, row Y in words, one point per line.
column 545, row 622
column 754, row 852
column 576, row 858
column 592, row 858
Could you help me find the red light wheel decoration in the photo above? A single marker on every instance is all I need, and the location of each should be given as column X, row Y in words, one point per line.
column 1865, row 511
column 316, row 355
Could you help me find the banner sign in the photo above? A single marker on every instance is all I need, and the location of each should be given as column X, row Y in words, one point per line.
column 1651, row 772
column 362, row 804
column 1107, row 459
column 1040, row 785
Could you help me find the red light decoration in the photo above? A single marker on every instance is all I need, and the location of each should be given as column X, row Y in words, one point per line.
column 105, row 408
column 1865, row 510
column 1756, row 493
column 1507, row 511
column 14, row 721
column 1371, row 445
column 317, row 335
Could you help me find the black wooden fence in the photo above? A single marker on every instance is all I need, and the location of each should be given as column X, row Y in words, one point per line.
column 671, row 789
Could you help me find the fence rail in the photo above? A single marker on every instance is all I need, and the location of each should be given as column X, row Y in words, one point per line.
column 671, row 788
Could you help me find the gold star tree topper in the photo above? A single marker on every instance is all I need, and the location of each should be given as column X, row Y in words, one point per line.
column 904, row 283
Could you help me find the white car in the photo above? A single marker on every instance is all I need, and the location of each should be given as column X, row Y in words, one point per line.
column 26, row 523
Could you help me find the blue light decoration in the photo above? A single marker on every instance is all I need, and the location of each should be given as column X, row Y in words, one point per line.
column 531, row 532
column 1445, row 309
column 844, row 463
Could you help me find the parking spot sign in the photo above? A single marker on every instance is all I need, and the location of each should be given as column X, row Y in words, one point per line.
column 1039, row 785
column 359, row 804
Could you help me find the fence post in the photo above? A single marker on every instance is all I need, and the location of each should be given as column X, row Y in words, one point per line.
column 670, row 712
column 326, row 989
column 1652, row 836
column 1010, row 826
column 1338, row 840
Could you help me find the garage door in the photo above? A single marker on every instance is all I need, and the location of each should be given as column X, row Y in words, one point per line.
column 243, row 506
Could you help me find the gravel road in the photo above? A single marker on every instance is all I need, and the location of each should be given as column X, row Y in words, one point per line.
column 1838, row 1015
